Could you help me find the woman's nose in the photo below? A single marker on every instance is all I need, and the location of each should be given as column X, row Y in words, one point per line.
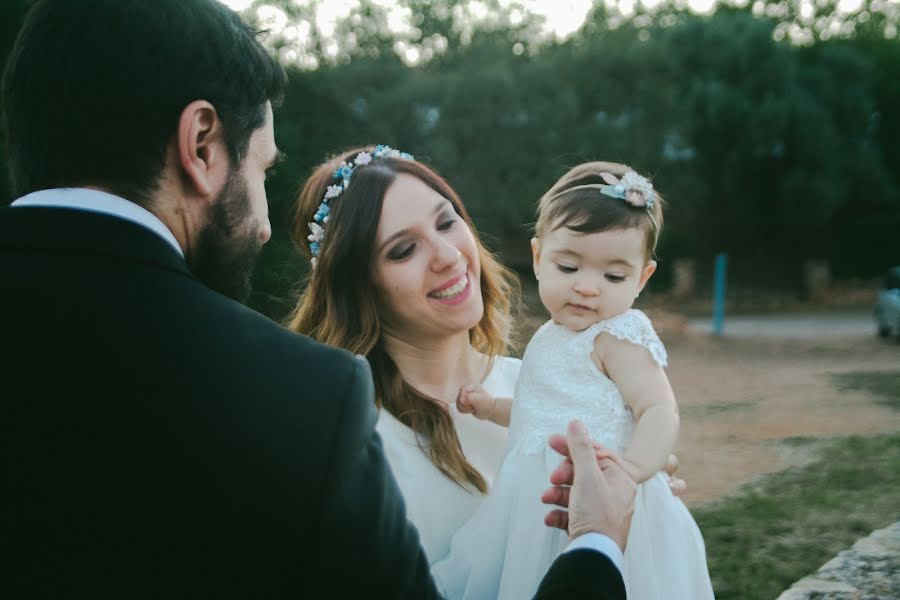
column 445, row 255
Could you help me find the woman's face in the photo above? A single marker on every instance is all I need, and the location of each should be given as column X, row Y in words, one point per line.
column 426, row 267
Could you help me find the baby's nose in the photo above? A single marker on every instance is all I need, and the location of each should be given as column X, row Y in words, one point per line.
column 586, row 288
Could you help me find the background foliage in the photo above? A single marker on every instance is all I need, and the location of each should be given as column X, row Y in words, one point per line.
column 772, row 129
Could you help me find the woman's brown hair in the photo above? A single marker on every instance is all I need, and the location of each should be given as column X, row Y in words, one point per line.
column 339, row 307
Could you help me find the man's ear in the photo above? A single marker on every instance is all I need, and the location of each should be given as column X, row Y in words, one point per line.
column 202, row 153
column 536, row 255
column 648, row 270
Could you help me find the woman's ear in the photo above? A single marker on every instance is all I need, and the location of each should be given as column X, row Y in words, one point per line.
column 535, row 255
column 648, row 270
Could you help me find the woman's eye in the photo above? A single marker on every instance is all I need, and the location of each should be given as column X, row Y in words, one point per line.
column 615, row 278
column 566, row 268
column 401, row 252
column 446, row 225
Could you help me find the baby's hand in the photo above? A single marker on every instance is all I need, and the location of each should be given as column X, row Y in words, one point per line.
column 631, row 469
column 475, row 400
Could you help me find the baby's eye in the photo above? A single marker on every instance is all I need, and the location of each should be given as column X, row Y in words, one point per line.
column 615, row 278
column 566, row 268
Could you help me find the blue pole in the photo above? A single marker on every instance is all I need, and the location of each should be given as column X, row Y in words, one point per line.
column 719, row 299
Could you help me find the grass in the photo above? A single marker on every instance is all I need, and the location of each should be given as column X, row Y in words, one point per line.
column 883, row 385
column 784, row 526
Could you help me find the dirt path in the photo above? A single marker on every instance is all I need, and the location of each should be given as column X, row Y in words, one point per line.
column 741, row 397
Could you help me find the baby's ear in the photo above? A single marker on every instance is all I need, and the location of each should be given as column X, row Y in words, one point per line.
column 535, row 254
column 648, row 270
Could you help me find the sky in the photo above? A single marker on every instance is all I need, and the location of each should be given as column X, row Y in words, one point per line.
column 563, row 16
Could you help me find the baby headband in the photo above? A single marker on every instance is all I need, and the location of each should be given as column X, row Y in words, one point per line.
column 343, row 173
column 632, row 188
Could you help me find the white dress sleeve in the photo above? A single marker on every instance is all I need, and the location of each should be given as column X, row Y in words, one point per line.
column 634, row 326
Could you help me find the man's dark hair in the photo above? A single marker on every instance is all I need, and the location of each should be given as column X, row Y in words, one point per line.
column 93, row 89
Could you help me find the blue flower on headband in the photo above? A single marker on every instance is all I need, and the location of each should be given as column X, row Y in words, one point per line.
column 343, row 173
column 322, row 213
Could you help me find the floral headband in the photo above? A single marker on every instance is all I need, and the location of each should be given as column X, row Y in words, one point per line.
column 632, row 188
column 343, row 173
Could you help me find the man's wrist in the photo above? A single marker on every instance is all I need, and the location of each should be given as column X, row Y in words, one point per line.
column 598, row 543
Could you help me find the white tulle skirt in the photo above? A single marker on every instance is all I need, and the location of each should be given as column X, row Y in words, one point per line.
column 505, row 549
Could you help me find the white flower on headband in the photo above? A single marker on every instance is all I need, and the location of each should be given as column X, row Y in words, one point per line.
column 638, row 191
column 632, row 188
column 343, row 173
column 318, row 232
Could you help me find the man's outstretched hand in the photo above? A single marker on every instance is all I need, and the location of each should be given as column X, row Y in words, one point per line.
column 599, row 495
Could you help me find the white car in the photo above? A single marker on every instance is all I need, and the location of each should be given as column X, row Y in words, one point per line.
column 887, row 306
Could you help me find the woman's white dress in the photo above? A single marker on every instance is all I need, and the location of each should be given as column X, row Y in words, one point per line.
column 437, row 506
column 505, row 549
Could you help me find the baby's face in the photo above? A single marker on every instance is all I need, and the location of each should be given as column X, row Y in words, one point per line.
column 587, row 277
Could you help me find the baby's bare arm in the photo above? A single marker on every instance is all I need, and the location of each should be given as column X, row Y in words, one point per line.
column 645, row 387
column 474, row 399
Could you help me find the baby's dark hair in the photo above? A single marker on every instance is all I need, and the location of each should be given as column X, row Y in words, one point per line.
column 588, row 210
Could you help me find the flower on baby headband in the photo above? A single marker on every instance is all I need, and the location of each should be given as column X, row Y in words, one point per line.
column 632, row 188
column 343, row 173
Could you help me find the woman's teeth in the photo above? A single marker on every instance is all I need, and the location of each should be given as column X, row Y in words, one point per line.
column 453, row 290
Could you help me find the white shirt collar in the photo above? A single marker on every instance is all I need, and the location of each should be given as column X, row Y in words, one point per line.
column 100, row 202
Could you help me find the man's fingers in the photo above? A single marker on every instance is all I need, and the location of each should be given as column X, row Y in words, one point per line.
column 557, row 495
column 558, row 519
column 678, row 486
column 581, row 449
column 563, row 474
column 560, row 444
column 606, row 463
column 671, row 464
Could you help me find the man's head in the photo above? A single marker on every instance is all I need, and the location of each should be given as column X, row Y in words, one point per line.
column 161, row 102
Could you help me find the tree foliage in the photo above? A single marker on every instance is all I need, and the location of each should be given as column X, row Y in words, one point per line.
column 772, row 145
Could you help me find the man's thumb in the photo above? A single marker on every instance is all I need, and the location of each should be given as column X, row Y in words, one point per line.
column 581, row 448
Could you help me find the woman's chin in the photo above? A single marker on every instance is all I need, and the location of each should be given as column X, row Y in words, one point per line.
column 462, row 316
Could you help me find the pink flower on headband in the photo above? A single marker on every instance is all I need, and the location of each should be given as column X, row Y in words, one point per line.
column 632, row 188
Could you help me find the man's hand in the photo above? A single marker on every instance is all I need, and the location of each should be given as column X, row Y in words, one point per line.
column 678, row 486
column 598, row 493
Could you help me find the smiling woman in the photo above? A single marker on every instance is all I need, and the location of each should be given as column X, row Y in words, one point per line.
column 402, row 278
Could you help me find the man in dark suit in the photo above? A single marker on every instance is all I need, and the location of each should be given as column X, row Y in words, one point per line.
column 159, row 438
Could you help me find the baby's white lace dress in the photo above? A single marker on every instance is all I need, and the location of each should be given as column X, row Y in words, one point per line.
column 504, row 550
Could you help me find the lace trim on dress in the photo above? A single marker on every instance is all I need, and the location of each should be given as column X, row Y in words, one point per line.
column 634, row 326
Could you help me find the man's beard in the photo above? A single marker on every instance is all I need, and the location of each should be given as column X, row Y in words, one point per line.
column 227, row 248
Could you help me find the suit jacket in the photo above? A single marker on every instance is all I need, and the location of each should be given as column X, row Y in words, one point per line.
column 161, row 440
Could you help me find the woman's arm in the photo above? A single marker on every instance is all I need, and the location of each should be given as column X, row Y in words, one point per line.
column 646, row 389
